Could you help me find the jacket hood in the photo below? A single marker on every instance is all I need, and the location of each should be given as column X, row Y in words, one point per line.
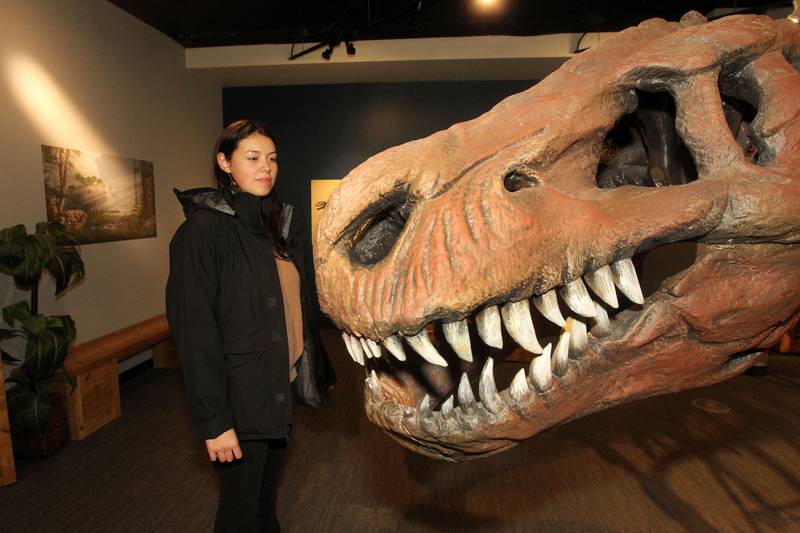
column 204, row 198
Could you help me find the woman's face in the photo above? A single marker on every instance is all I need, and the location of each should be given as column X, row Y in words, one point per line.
column 253, row 165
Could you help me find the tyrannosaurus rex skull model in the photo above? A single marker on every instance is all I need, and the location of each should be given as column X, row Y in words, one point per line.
column 530, row 214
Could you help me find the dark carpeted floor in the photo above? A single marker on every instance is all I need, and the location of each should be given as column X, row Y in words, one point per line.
column 721, row 458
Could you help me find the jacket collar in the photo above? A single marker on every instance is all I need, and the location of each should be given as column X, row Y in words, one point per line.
column 244, row 206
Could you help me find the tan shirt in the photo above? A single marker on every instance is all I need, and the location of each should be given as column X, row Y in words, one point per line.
column 293, row 310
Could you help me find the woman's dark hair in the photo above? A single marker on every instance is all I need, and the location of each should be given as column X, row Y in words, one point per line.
column 271, row 205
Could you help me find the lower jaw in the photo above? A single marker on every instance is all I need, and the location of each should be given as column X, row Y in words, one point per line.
column 704, row 325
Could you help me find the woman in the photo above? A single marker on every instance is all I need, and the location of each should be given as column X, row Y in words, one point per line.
column 239, row 317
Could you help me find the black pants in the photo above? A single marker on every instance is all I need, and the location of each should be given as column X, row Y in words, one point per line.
column 247, row 488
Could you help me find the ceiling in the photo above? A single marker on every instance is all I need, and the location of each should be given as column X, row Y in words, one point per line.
column 200, row 23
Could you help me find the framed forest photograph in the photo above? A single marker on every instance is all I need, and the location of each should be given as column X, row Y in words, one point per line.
column 99, row 198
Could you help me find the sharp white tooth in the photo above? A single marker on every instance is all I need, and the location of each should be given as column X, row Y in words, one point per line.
column 488, row 321
column 422, row 345
column 395, row 347
column 425, row 406
column 375, row 348
column 547, row 304
column 365, row 348
column 517, row 318
column 601, row 281
column 519, row 386
column 346, row 340
column 457, row 334
column 602, row 325
column 541, row 376
column 466, row 399
column 578, row 340
column 577, row 297
column 626, row 280
column 561, row 355
column 487, row 389
column 374, row 384
column 447, row 407
column 357, row 351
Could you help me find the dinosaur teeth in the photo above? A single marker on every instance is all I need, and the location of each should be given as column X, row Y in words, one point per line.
column 421, row 344
column 466, row 399
column 561, row 356
column 601, row 281
column 395, row 347
column 375, row 348
column 347, row 345
column 602, row 326
column 489, row 329
column 354, row 348
column 578, row 340
column 425, row 406
column 626, row 280
column 487, row 390
column 374, row 385
column 541, row 376
column 547, row 305
column 365, row 348
column 519, row 386
column 519, row 324
column 447, row 407
column 577, row 298
column 457, row 334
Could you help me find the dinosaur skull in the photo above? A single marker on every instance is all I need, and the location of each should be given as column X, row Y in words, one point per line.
column 527, row 217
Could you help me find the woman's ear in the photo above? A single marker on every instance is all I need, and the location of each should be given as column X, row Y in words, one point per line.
column 223, row 162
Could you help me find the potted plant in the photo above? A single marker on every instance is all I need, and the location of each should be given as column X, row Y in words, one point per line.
column 37, row 416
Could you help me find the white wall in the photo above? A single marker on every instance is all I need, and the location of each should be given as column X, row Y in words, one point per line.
column 83, row 74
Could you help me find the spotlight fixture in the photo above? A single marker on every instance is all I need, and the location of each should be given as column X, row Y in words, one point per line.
column 326, row 54
column 351, row 48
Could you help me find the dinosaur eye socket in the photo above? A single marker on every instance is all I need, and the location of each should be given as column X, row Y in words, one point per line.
column 514, row 181
column 374, row 235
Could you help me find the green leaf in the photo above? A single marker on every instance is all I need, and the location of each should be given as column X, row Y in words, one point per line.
column 9, row 334
column 28, row 410
column 36, row 325
column 16, row 311
column 8, row 358
column 29, row 270
column 66, row 266
column 66, row 330
column 51, row 228
column 12, row 248
column 41, row 356
column 19, row 379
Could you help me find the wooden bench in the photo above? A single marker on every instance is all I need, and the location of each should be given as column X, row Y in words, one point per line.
column 95, row 400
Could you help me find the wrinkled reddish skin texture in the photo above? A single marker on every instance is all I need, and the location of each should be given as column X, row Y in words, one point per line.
column 469, row 242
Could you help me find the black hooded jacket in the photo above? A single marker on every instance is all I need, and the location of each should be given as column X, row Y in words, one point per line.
column 225, row 311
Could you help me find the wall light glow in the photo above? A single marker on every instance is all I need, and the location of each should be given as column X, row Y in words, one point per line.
column 51, row 112
column 488, row 5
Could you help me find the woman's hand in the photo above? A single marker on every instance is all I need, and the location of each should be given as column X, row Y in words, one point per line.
column 224, row 448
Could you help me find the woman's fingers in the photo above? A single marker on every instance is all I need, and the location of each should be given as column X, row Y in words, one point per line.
column 237, row 452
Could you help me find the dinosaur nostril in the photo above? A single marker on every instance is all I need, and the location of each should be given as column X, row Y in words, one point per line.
column 514, row 181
